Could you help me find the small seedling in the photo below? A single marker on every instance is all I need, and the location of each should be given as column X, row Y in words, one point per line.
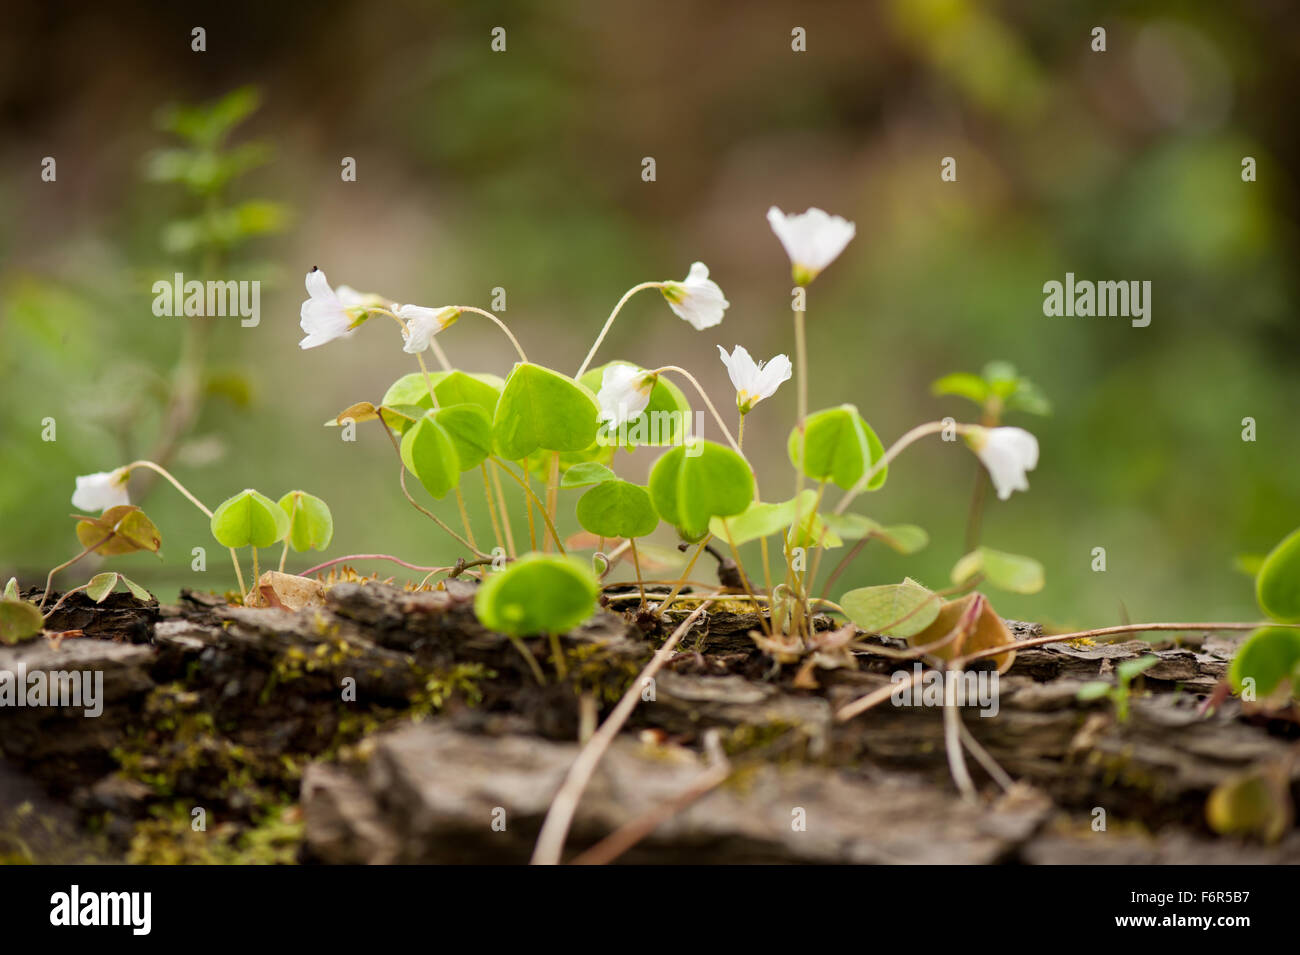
column 1118, row 692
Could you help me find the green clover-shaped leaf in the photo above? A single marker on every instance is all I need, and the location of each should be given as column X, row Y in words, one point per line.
column 429, row 453
column 539, row 593
column 541, row 408
column 1277, row 585
column 760, row 519
column 617, row 509
column 470, row 428
column 310, row 522
column 249, row 519
column 1269, row 656
column 587, row 473
column 692, row 485
column 451, row 387
column 1020, row 575
column 840, row 447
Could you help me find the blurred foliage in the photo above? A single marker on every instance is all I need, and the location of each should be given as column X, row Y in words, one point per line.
column 522, row 170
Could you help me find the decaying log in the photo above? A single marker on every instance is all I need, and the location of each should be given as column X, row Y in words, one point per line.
column 192, row 684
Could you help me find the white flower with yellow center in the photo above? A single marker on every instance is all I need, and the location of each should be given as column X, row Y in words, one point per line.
column 624, row 393
column 754, row 381
column 101, row 490
column 332, row 313
column 812, row 240
column 423, row 323
column 697, row 298
column 1008, row 453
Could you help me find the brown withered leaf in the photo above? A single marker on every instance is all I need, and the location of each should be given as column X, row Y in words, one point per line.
column 972, row 624
column 127, row 528
column 286, row 591
column 359, row 412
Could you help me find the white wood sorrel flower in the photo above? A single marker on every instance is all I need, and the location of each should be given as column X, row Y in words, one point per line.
column 697, row 298
column 813, row 240
column 1007, row 453
column 423, row 323
column 624, row 393
column 332, row 313
column 754, row 381
column 101, row 490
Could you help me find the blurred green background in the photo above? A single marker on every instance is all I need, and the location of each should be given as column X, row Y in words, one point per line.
column 522, row 169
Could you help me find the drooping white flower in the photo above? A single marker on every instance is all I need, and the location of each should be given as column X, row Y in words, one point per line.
column 1007, row 453
column 813, row 239
column 101, row 490
column 697, row 298
column 423, row 323
column 624, row 393
column 754, row 381
column 331, row 313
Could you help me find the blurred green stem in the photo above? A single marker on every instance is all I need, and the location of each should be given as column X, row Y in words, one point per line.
column 974, row 517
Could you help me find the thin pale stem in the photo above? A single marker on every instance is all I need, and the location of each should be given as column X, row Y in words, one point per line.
column 464, row 519
column 428, row 381
column 974, row 516
column 874, row 698
column 801, row 414
column 636, row 564
column 920, row 431
column 553, row 489
column 499, row 324
column 60, row 602
column 293, row 514
column 492, row 510
column 744, row 576
column 610, row 321
column 540, row 506
column 1112, row 631
column 49, row 580
column 234, row 557
column 982, row 756
column 388, row 557
column 527, row 654
column 439, row 355
column 663, row 606
column 708, row 403
column 762, row 541
column 401, row 479
column 952, row 728
column 633, row 831
column 505, row 511
column 555, row 828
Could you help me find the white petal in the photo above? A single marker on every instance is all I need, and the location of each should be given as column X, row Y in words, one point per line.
column 1008, row 453
column 697, row 299
column 101, row 490
column 623, row 394
column 318, row 286
column 813, row 239
column 699, row 273
column 349, row 297
column 322, row 317
column 772, row 375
